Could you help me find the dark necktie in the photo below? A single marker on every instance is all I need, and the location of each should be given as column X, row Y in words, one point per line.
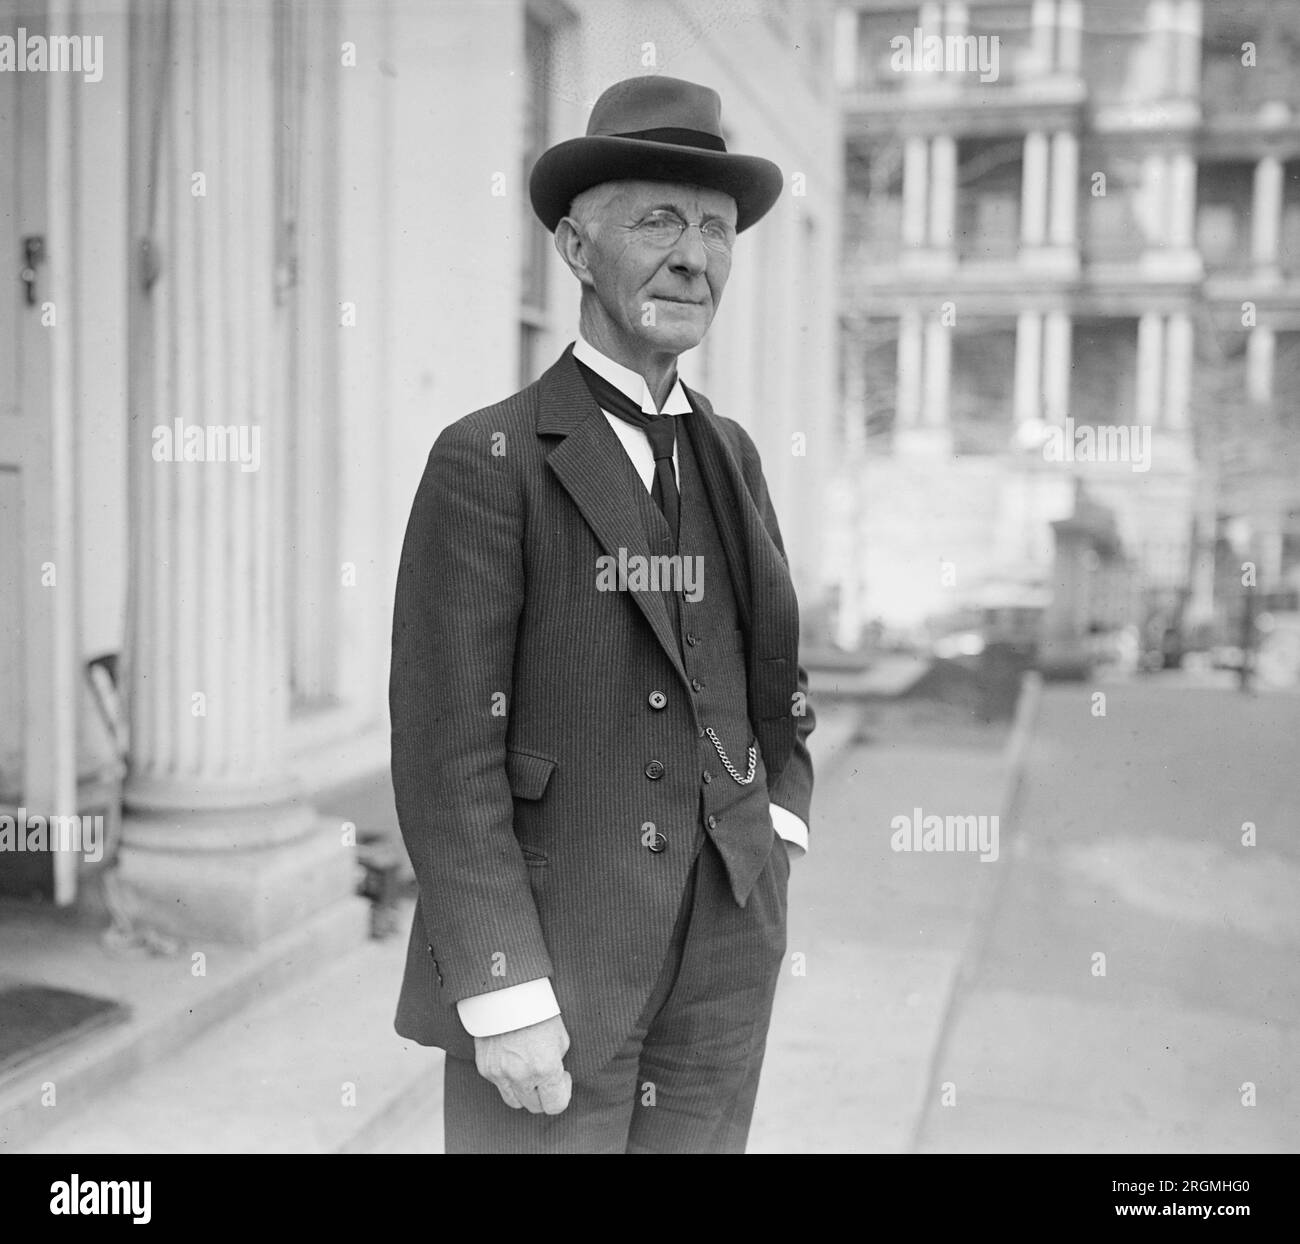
column 661, row 429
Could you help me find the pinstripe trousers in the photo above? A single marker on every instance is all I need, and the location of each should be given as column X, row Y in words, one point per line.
column 685, row 1079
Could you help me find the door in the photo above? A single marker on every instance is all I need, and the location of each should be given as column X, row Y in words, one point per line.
column 38, row 671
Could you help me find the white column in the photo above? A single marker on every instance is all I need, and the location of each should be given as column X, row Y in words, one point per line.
column 1260, row 347
column 1027, row 402
column 1042, row 19
column 1181, row 200
column 943, row 190
column 938, row 363
column 1178, row 370
column 1160, row 52
column 1187, row 52
column 908, row 398
column 1266, row 211
column 1069, row 38
column 855, row 393
column 215, row 842
column 846, row 49
column 1154, row 203
column 1056, row 366
column 1150, row 368
column 1033, row 190
column 1065, row 188
column 916, row 196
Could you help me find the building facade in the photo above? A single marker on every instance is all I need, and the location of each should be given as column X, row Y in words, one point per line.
column 272, row 250
column 1072, row 258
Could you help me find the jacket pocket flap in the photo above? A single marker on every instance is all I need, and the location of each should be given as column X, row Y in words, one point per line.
column 528, row 774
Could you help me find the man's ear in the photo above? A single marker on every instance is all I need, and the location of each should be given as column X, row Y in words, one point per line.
column 572, row 245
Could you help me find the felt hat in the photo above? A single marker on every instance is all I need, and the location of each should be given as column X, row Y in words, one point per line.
column 653, row 128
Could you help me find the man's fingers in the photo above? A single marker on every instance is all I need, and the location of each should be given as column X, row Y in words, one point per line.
column 508, row 1094
column 555, row 1093
column 528, row 1097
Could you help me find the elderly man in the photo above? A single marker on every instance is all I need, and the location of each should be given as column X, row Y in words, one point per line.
column 599, row 718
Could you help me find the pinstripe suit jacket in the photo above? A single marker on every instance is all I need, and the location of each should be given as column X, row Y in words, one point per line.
column 519, row 720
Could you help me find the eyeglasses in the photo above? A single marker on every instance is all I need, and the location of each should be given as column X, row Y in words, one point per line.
column 662, row 229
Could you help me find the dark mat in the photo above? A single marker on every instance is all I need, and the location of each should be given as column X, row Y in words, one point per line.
column 35, row 1019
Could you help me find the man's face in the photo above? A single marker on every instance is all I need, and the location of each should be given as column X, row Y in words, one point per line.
column 656, row 298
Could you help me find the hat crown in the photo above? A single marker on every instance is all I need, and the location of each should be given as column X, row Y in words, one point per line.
column 653, row 102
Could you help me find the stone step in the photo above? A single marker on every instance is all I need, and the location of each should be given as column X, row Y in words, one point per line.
column 170, row 1007
column 313, row 1067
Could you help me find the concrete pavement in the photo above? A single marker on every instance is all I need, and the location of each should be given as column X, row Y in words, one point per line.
column 877, row 938
column 1128, row 843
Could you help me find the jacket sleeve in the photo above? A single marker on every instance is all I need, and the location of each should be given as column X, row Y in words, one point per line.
column 460, row 590
column 792, row 787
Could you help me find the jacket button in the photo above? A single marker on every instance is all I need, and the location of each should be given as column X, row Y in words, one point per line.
column 654, row 770
column 656, row 843
column 657, row 699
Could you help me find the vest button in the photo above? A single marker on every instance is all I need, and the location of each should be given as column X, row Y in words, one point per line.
column 696, row 685
column 692, row 640
column 657, row 699
column 656, row 843
column 654, row 770
column 708, row 777
column 713, row 822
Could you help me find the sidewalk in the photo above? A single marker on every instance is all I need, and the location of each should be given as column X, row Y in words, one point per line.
column 1128, row 843
column 882, row 935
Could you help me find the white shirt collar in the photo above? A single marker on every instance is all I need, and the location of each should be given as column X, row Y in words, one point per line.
column 631, row 384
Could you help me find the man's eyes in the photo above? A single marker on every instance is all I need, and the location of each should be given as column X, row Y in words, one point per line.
column 668, row 222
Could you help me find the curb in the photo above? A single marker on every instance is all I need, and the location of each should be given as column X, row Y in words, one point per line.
column 1014, row 755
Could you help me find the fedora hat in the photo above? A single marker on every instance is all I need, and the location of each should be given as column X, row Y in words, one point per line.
column 653, row 129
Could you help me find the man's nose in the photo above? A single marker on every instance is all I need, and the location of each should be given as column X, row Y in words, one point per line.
column 690, row 254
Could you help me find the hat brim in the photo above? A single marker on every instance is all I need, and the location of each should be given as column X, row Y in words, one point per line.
column 571, row 167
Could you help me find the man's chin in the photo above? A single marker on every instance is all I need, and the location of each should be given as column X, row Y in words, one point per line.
column 675, row 339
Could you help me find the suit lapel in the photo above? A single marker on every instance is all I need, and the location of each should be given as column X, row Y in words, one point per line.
column 592, row 466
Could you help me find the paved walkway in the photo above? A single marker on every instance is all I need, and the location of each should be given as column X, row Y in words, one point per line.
column 1127, row 843
column 881, row 935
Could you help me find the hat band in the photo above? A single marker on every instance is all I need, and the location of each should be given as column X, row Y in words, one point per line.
column 678, row 138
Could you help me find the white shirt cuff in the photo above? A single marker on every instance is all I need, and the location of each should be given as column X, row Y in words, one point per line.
column 504, row 1010
column 790, row 827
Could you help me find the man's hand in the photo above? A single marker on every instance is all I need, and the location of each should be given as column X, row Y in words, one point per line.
column 527, row 1066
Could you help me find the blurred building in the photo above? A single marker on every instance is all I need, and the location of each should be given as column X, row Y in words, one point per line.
column 302, row 230
column 1067, row 223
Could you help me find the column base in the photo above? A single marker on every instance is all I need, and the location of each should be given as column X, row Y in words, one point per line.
column 241, row 897
column 923, row 442
column 1172, row 264
column 927, row 260
column 1050, row 260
